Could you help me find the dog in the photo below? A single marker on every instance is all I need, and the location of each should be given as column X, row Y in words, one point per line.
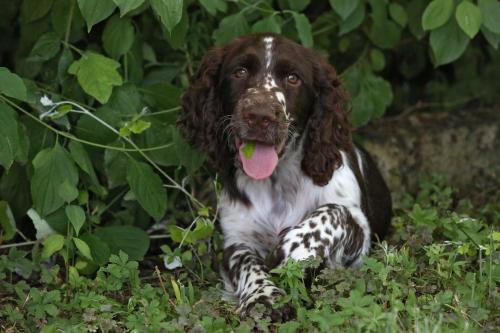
column 271, row 117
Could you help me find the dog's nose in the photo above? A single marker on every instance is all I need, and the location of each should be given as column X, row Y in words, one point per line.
column 257, row 118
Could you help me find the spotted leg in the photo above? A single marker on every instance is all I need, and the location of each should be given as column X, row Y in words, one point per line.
column 248, row 277
column 331, row 232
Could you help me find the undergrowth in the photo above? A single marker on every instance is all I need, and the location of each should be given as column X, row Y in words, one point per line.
column 437, row 272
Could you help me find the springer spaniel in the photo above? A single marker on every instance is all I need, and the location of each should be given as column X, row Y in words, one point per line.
column 271, row 117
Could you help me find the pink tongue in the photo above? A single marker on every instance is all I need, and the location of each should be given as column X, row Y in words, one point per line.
column 262, row 162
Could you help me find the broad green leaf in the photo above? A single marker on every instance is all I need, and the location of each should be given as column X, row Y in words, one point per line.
column 97, row 75
column 67, row 191
column 377, row 60
column 303, row 27
column 32, row 10
column 82, row 159
column 416, row 8
column 212, row 6
column 83, row 248
column 52, row 166
column 231, row 27
column 384, row 33
column 398, row 14
column 52, row 244
column 468, row 18
column 344, row 7
column 127, row 5
column 59, row 15
column 10, row 144
column 448, row 43
column 12, row 85
column 298, row 5
column 202, row 230
column 99, row 250
column 177, row 37
column 65, row 60
column 88, row 128
column 131, row 240
column 138, row 126
column 118, row 36
column 187, row 156
column 94, row 11
column 490, row 12
column 437, row 13
column 7, row 222
column 492, row 38
column 354, row 20
column 46, row 47
column 76, row 216
column 169, row 11
column 147, row 188
column 268, row 24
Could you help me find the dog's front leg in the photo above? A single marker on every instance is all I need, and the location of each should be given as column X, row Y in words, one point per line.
column 331, row 232
column 249, row 278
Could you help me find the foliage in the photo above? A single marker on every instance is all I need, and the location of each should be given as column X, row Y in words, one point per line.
column 439, row 272
column 92, row 166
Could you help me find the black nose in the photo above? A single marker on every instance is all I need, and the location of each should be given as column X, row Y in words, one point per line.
column 258, row 118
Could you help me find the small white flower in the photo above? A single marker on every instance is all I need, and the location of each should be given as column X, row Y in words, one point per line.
column 46, row 101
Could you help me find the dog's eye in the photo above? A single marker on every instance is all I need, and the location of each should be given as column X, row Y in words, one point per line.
column 241, row 73
column 292, row 79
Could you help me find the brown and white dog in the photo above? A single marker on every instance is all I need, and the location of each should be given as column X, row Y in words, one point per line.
column 271, row 117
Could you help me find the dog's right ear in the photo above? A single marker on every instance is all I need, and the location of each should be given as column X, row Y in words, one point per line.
column 201, row 108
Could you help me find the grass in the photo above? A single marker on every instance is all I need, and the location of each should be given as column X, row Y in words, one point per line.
column 437, row 272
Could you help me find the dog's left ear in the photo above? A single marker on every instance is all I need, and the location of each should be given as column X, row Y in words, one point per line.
column 328, row 128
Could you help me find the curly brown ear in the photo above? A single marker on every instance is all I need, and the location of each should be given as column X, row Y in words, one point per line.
column 201, row 108
column 328, row 130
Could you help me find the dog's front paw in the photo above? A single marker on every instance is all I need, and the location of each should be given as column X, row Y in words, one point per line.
column 267, row 296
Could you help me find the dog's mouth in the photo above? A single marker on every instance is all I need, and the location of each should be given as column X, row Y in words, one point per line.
column 258, row 159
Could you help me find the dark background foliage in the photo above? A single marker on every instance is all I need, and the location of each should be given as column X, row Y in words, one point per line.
column 90, row 158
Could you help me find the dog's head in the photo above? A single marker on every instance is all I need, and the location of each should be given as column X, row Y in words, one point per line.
column 252, row 98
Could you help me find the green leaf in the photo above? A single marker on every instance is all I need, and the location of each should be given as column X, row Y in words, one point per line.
column 83, row 248
column 371, row 94
column 52, row 244
column 138, row 126
column 416, row 7
column 12, row 85
column 231, row 27
column 212, row 6
column 94, row 11
column 248, row 149
column 169, row 11
column 52, row 166
column 147, row 188
column 131, row 240
column 490, row 12
column 32, row 10
column 303, row 27
column 82, row 159
column 267, row 24
column 187, row 156
column 202, row 230
column 468, row 18
column 76, row 216
column 7, row 222
column 344, row 7
column 298, row 5
column 436, row 14
column 97, row 75
column 354, row 20
column 45, row 48
column 398, row 14
column 377, row 60
column 99, row 250
column 67, row 191
column 118, row 36
column 177, row 37
column 492, row 38
column 11, row 147
column 384, row 33
column 448, row 43
column 127, row 5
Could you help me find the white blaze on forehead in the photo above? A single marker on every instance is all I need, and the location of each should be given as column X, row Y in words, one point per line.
column 268, row 46
column 269, row 82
